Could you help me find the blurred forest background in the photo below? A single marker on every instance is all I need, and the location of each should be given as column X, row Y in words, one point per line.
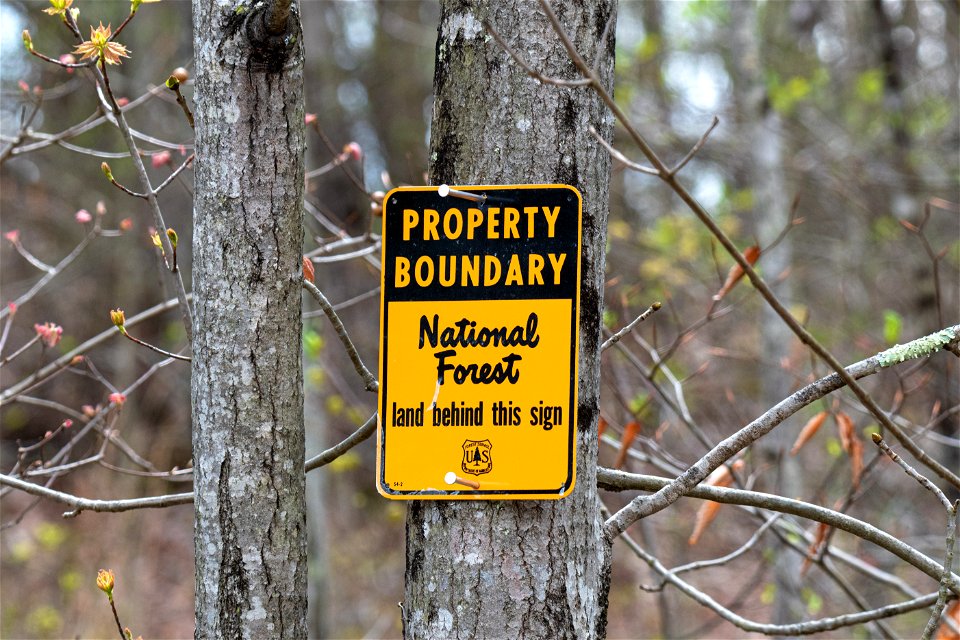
column 837, row 152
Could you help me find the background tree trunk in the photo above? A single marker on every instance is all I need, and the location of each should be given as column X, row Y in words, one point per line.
column 247, row 390
column 519, row 568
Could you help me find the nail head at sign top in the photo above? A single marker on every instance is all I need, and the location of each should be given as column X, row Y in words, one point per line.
column 444, row 190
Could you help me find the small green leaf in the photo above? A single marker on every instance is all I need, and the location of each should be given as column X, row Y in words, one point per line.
column 892, row 326
column 769, row 593
column 813, row 601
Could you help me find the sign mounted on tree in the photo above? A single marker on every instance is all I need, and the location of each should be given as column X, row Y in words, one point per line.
column 479, row 327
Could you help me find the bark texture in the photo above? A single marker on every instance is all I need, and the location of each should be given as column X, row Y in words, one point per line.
column 520, row 569
column 247, row 386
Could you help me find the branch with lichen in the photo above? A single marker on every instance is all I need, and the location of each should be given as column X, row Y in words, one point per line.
column 646, row 505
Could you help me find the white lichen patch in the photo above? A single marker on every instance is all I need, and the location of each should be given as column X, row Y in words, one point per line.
column 444, row 620
column 523, row 124
column 462, row 23
column 256, row 612
column 917, row 348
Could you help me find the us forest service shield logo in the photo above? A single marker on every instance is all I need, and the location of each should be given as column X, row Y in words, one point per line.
column 476, row 457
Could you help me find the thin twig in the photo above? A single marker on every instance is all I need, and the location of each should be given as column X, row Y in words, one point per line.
column 369, row 379
column 612, row 480
column 703, row 139
column 646, row 505
column 83, row 504
column 910, row 471
column 615, row 338
column 64, row 360
column 533, row 73
column 943, row 593
column 326, row 457
column 800, row 628
column 613, row 151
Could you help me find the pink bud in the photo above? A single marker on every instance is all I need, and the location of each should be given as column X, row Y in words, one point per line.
column 354, row 150
column 101, row 208
column 13, row 307
column 12, row 236
column 126, row 224
column 67, row 423
column 83, row 216
column 183, row 150
column 88, row 410
column 117, row 398
column 310, row 118
column 23, row 86
column 122, row 102
column 47, row 434
column 49, row 333
column 160, row 159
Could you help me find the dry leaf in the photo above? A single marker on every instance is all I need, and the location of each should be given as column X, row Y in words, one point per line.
column 750, row 254
column 852, row 446
column 721, row 477
column 630, row 432
column 601, row 427
column 846, row 430
column 945, row 632
column 705, row 515
column 856, row 462
column 308, row 272
column 808, row 431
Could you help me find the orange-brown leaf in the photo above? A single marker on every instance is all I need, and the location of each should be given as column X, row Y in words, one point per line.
column 721, row 477
column 808, row 431
column 847, row 432
column 751, row 254
column 630, row 432
column 705, row 515
column 308, row 272
column 856, row 462
column 945, row 632
column 601, row 427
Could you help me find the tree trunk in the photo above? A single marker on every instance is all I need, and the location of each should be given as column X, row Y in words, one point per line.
column 520, row 569
column 247, row 387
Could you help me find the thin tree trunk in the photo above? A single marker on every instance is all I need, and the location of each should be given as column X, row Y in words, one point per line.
column 247, row 386
column 520, row 569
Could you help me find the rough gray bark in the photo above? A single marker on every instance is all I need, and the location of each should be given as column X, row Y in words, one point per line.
column 247, row 387
column 520, row 569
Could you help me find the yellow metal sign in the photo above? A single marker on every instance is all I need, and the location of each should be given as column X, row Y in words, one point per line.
column 478, row 342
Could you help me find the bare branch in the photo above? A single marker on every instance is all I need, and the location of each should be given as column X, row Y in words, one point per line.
column 368, row 378
column 620, row 157
column 645, row 505
column 703, row 139
column 910, row 471
column 615, row 338
column 326, row 457
column 84, row 504
column 65, row 359
column 797, row 629
column 533, row 73
column 612, row 480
